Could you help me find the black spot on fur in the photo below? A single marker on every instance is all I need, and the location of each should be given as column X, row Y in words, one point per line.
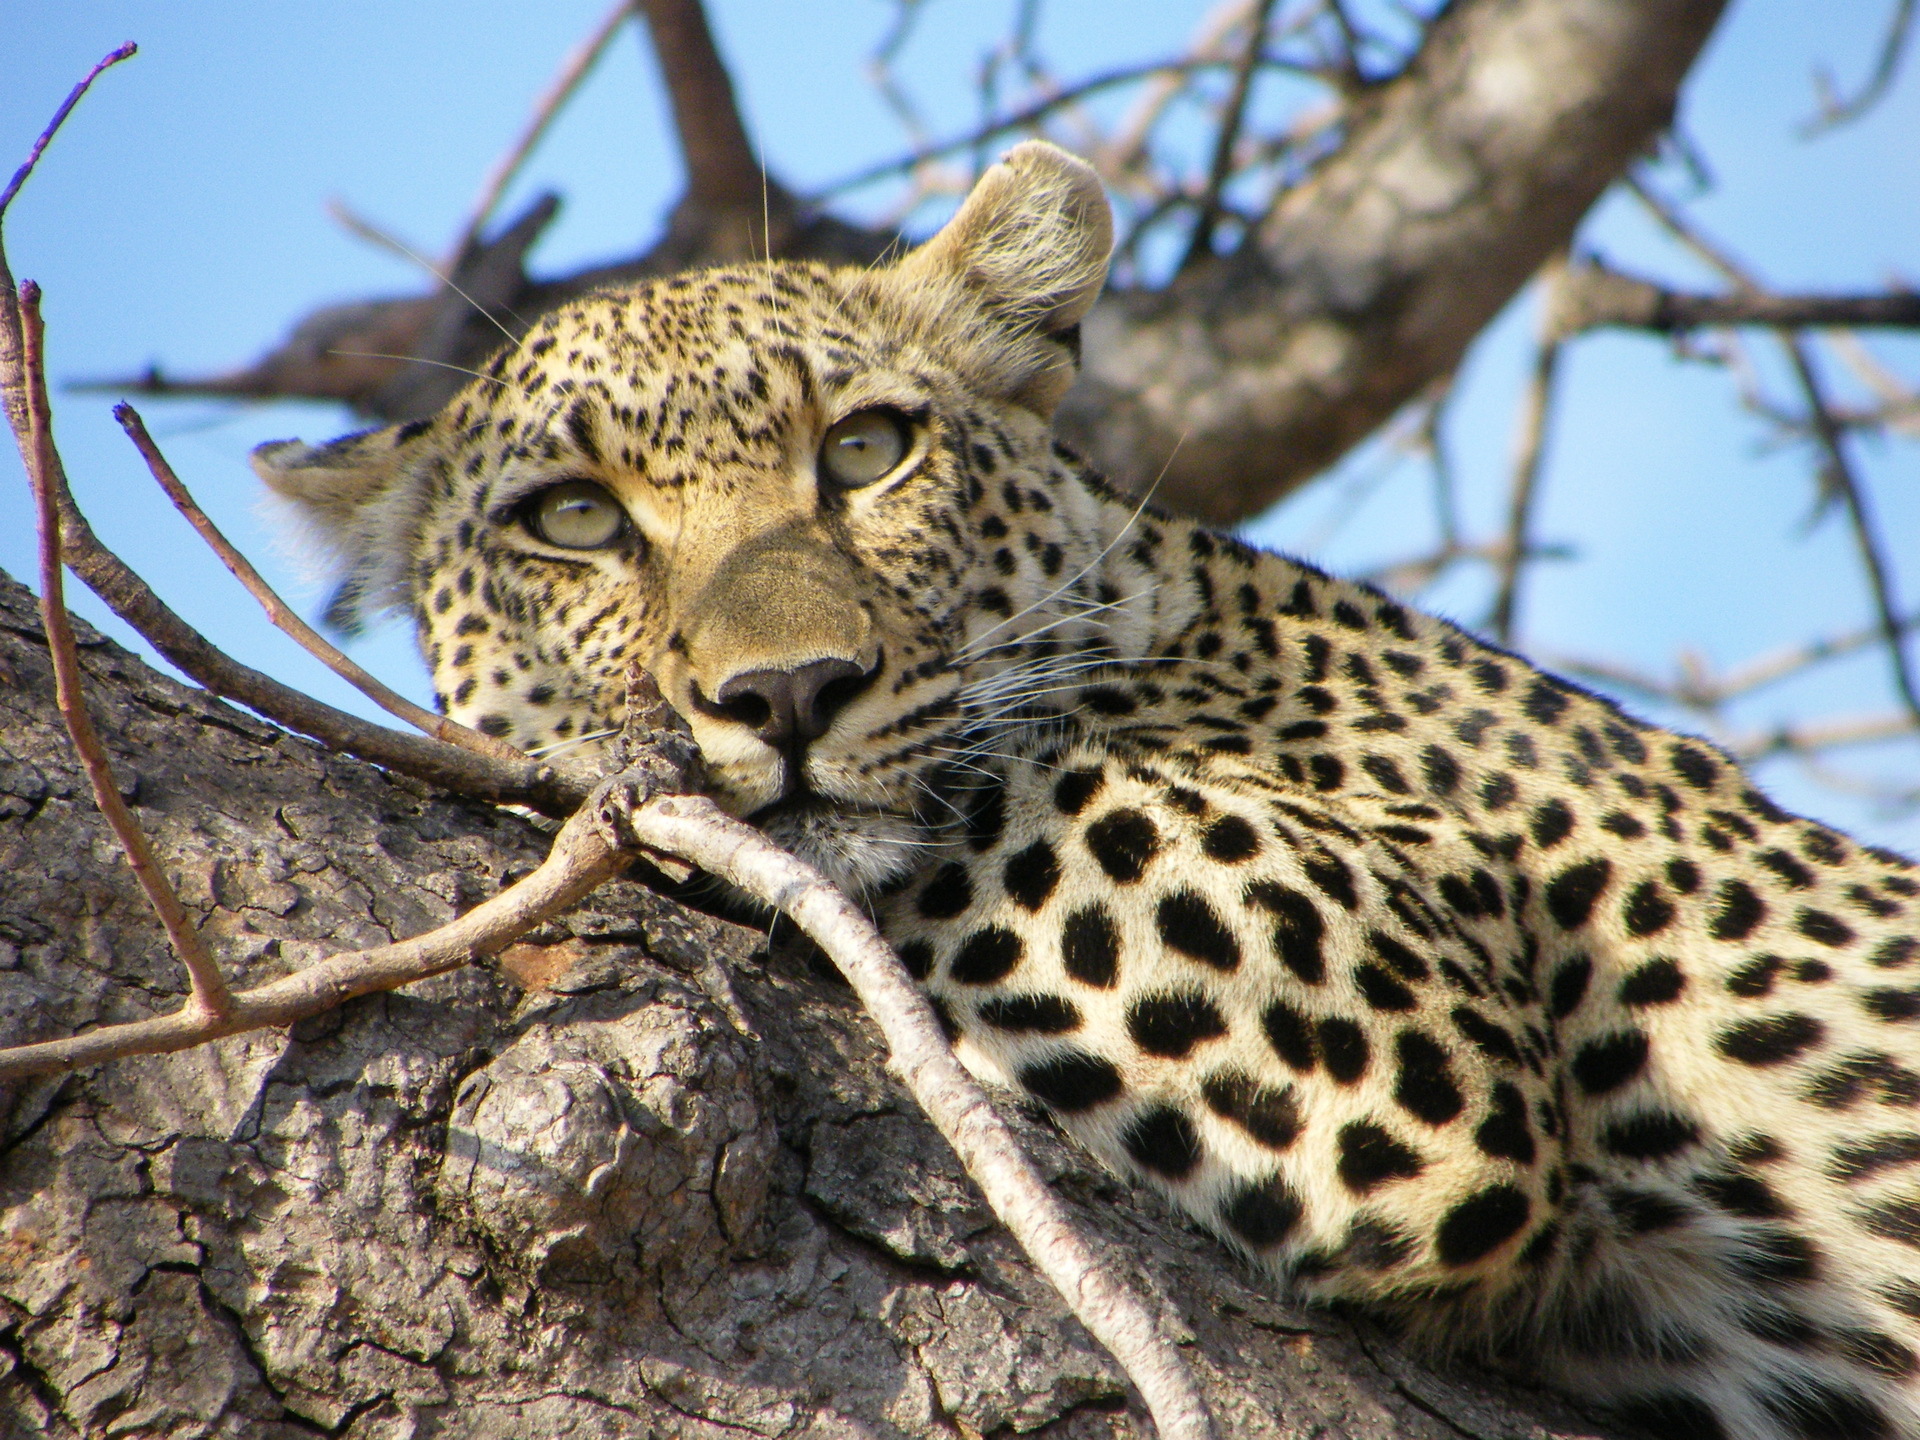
column 1403, row 960
column 1230, row 839
column 1895, row 1219
column 1823, row 928
column 1073, row 790
column 1572, row 894
column 1290, row 1034
column 1657, row 982
column 1170, row 1023
column 1188, row 924
column 1298, row 929
column 1545, row 702
column 1569, row 986
column 1695, row 767
column 1649, row 1135
column 1370, row 1157
column 1029, row 1014
column 1032, row 874
column 1270, row 1116
column 1481, row 1224
column 1504, row 1134
column 1672, row 1415
column 1333, row 878
column 1861, row 1158
column 1606, row 1064
column 1769, row 1040
column 1262, row 1212
column 1740, row 911
column 1122, row 843
column 1551, row 823
column 1071, row 1081
column 1425, row 1088
column 1090, row 947
column 949, row 892
column 1888, row 1003
column 1648, row 912
column 1343, row 1044
column 987, row 956
column 1742, row 1193
column 1381, row 990
column 1162, row 1139
column 1490, row 1039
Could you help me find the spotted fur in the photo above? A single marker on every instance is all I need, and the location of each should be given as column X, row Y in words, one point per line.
column 1429, row 981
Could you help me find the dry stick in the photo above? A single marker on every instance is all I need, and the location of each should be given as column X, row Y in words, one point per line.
column 1529, row 453
column 278, row 611
column 694, row 828
column 579, row 862
column 572, row 72
column 1200, row 246
column 209, row 999
column 1595, row 295
column 1833, row 110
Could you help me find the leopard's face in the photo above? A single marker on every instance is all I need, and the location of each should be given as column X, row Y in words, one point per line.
column 784, row 490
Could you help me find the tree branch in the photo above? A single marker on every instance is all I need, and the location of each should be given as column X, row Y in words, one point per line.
column 1592, row 296
column 1368, row 280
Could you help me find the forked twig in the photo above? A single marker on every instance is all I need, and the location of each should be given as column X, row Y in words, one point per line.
column 1530, row 446
column 283, row 616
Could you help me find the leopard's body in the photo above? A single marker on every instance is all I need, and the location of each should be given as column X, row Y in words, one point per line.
column 1429, row 981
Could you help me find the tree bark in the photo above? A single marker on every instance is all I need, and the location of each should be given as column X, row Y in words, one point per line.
column 640, row 1175
column 1250, row 373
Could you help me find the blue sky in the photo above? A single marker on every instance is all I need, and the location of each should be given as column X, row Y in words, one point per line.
column 179, row 219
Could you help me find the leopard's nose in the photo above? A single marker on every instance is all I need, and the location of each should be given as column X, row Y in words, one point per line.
column 781, row 706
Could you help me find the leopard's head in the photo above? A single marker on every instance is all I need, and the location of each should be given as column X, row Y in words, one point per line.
column 815, row 503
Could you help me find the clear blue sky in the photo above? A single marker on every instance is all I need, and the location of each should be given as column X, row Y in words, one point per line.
column 179, row 219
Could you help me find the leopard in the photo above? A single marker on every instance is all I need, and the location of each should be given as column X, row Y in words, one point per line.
column 1436, row 986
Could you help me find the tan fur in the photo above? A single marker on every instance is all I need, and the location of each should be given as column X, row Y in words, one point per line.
column 1431, row 982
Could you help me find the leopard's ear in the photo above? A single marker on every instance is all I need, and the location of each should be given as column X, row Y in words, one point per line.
column 1030, row 242
column 355, row 500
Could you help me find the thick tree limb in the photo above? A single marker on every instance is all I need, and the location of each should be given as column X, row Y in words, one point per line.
column 1455, row 181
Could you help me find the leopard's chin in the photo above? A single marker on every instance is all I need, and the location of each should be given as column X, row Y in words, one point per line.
column 862, row 852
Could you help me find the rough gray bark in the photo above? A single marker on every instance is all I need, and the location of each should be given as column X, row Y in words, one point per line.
column 1249, row 374
column 639, row 1177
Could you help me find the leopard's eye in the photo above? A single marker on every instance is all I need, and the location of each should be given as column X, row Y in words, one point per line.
column 862, row 448
column 576, row 515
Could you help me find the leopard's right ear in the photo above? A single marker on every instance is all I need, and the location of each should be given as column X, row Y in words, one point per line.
column 354, row 499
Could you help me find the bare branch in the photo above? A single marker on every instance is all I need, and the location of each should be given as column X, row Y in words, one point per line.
column 723, row 172
column 1232, row 115
column 209, row 1000
column 1835, row 111
column 573, row 70
column 580, row 861
column 1593, row 295
column 1818, row 739
column 111, row 58
column 283, row 616
column 1530, row 444
column 1357, row 294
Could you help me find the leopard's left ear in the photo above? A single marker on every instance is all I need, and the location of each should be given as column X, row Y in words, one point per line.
column 1030, row 242
column 356, row 500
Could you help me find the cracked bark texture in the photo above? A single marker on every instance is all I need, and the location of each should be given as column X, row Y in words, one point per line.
column 639, row 1176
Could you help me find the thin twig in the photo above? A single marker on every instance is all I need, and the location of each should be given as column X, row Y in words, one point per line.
column 1833, row 110
column 283, row 616
column 111, row 58
column 578, row 863
column 553, row 99
column 1530, row 445
column 209, row 998
column 1232, row 115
